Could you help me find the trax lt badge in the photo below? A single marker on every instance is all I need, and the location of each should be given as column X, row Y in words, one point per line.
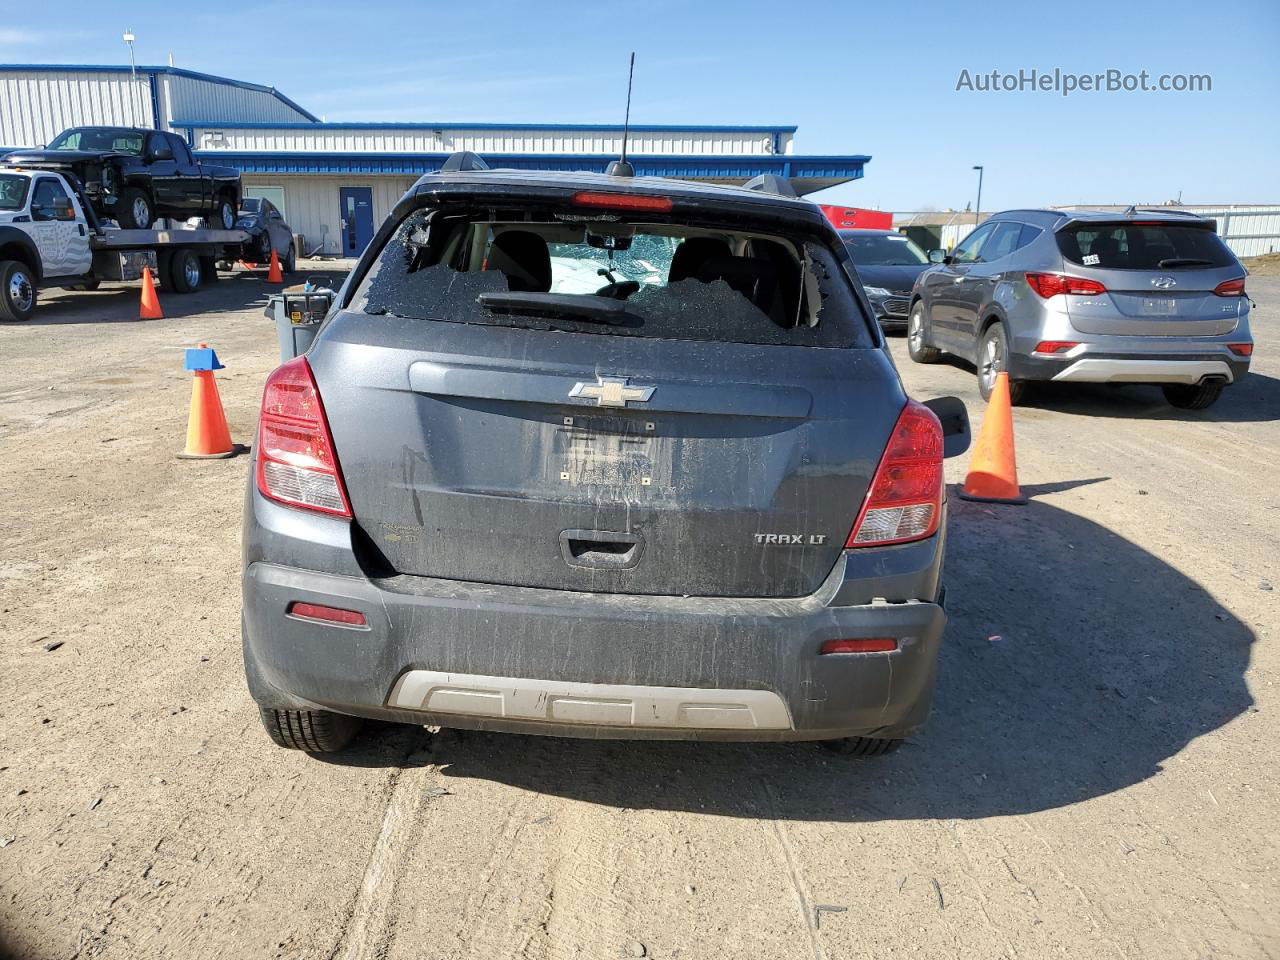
column 611, row 392
column 1163, row 283
column 791, row 539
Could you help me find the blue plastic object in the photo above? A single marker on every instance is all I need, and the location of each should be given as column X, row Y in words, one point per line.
column 202, row 358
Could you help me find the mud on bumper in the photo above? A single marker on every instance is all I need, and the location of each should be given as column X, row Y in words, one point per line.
column 529, row 660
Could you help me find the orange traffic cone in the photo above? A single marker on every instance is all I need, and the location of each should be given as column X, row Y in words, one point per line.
column 993, row 471
column 274, row 275
column 208, row 436
column 150, row 306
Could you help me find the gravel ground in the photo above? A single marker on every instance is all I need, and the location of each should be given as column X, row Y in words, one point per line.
column 1098, row 778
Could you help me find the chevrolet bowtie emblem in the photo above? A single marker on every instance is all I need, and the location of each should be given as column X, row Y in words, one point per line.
column 611, row 392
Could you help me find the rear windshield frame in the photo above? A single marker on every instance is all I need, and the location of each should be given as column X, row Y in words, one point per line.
column 542, row 205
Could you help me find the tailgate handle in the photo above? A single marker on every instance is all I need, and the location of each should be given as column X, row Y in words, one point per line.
column 601, row 549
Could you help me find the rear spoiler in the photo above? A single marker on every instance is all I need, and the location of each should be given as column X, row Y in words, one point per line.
column 1193, row 220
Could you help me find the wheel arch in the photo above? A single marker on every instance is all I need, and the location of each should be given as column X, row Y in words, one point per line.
column 16, row 245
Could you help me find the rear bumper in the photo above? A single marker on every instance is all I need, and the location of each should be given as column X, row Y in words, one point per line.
column 1127, row 361
column 601, row 665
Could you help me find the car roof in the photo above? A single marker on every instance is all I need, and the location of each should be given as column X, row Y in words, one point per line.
column 485, row 181
column 1046, row 217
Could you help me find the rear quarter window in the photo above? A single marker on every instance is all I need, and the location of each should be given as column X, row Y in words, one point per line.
column 1143, row 246
column 665, row 279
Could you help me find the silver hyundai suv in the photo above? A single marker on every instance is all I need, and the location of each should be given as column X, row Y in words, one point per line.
column 1089, row 297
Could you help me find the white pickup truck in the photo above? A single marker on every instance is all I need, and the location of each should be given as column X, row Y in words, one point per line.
column 49, row 237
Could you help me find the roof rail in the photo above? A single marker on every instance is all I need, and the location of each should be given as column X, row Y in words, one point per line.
column 771, row 183
column 463, row 161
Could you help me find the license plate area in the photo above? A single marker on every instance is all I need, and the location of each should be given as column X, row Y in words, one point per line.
column 1158, row 307
column 606, row 451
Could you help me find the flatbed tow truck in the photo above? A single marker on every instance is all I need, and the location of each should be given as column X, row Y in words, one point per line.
column 50, row 237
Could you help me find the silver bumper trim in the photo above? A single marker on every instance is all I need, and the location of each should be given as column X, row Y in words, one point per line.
column 1105, row 370
column 603, row 704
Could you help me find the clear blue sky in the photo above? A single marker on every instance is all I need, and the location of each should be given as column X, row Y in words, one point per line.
column 857, row 78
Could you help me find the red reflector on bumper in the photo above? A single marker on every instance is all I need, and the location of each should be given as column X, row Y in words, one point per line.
column 318, row 611
column 860, row 645
column 1241, row 349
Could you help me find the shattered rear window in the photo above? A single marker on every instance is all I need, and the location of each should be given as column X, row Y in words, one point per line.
column 665, row 280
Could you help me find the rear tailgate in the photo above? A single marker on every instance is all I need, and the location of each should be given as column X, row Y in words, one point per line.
column 1160, row 278
column 477, row 464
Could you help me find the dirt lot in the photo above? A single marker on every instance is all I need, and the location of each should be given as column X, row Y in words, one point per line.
column 1099, row 778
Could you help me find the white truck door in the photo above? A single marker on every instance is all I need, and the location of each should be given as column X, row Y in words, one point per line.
column 58, row 228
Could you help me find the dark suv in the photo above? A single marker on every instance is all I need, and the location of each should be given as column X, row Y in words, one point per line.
column 133, row 175
column 597, row 456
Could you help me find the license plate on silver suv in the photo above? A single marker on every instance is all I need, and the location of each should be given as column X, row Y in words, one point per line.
column 1158, row 307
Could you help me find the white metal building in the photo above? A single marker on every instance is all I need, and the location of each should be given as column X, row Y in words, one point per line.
column 335, row 182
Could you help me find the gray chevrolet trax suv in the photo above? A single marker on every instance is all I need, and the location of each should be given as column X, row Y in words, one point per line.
column 597, row 456
column 1089, row 297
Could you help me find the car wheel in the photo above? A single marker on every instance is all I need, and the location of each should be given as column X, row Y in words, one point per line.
column 993, row 358
column 919, row 350
column 17, row 291
column 136, row 211
column 1193, row 397
column 184, row 273
column 290, row 261
column 861, row 746
column 224, row 217
column 315, row 731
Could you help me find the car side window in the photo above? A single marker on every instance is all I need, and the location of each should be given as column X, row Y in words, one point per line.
column 181, row 153
column 1029, row 233
column 967, row 249
column 50, row 201
column 1003, row 241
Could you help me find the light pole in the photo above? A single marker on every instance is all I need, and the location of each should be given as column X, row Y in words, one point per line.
column 977, row 213
column 133, row 77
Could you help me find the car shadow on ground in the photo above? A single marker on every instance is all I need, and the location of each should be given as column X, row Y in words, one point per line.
column 1254, row 399
column 1075, row 664
column 119, row 302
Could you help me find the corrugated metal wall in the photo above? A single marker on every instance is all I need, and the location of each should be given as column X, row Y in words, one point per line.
column 337, row 139
column 311, row 203
column 36, row 106
column 189, row 98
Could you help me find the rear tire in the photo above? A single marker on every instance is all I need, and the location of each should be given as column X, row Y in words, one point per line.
column 1193, row 397
column 993, row 357
column 917, row 347
column 223, row 216
column 315, row 731
column 17, row 291
column 135, row 206
column 184, row 271
column 290, row 262
column 861, row 746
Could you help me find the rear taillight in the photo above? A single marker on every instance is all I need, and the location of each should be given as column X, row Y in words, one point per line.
column 297, row 464
column 1241, row 349
column 905, row 500
column 621, row 201
column 1055, row 346
column 1230, row 288
column 1051, row 284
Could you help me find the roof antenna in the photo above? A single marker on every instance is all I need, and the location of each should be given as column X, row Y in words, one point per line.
column 620, row 167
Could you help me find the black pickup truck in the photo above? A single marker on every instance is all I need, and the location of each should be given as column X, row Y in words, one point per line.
column 133, row 176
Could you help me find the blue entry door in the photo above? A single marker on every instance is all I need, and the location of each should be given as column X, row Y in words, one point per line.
column 357, row 219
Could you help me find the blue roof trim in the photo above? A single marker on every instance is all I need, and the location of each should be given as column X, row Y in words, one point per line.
column 611, row 127
column 415, row 164
column 172, row 71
